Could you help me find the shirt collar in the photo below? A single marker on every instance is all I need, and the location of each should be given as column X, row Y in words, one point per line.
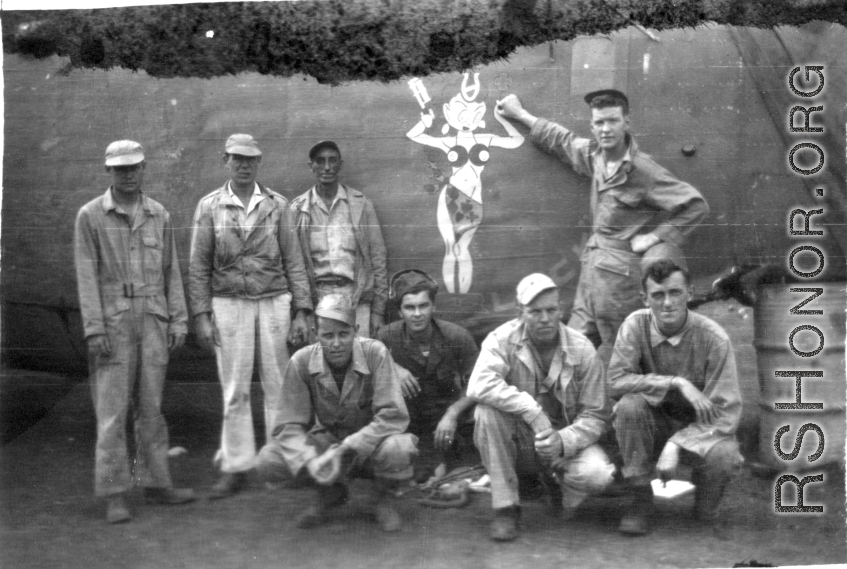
column 255, row 197
column 656, row 337
column 340, row 195
column 110, row 204
column 526, row 342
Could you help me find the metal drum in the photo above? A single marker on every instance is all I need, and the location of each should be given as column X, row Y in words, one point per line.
column 773, row 325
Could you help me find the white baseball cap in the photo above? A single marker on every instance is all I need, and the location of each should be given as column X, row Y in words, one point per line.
column 533, row 285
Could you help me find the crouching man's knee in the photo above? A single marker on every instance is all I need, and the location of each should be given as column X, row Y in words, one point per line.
column 393, row 457
column 271, row 466
column 724, row 460
column 589, row 471
column 630, row 407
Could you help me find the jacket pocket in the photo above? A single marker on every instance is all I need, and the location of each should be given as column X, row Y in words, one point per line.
column 618, row 262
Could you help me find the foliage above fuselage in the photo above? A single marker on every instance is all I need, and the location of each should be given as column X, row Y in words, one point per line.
column 337, row 41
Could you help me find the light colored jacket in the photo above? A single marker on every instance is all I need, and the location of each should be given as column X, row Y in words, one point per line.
column 114, row 262
column 371, row 273
column 259, row 262
column 507, row 378
column 368, row 409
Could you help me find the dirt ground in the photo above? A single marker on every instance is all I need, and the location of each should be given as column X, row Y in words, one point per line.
column 50, row 518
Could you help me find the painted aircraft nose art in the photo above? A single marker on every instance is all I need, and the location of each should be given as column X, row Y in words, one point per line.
column 459, row 193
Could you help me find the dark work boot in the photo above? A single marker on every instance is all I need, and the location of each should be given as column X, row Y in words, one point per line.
column 327, row 499
column 228, row 484
column 637, row 520
column 504, row 526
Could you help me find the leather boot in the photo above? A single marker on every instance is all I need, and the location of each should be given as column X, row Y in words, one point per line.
column 385, row 510
column 228, row 484
column 504, row 526
column 327, row 498
column 637, row 520
column 116, row 510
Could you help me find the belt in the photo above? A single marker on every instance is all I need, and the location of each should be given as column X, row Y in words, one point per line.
column 333, row 280
column 598, row 241
column 131, row 290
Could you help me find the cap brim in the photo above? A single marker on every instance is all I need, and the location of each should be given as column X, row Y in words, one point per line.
column 125, row 160
column 244, row 151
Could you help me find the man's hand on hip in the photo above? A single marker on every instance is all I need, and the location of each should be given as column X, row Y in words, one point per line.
column 640, row 243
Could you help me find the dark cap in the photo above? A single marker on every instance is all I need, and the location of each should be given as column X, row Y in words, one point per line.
column 404, row 281
column 320, row 146
column 610, row 92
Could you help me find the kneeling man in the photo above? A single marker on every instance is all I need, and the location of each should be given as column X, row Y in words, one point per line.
column 542, row 407
column 342, row 415
column 439, row 357
column 673, row 372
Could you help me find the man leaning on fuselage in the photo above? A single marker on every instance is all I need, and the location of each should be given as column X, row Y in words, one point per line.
column 635, row 205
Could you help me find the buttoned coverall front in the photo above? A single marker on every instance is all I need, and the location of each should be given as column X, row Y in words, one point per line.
column 130, row 289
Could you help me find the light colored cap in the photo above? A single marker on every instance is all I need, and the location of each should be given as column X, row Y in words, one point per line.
column 124, row 153
column 336, row 307
column 533, row 285
column 242, row 144
column 660, row 251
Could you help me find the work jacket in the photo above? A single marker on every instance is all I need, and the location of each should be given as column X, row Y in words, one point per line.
column 508, row 378
column 371, row 273
column 116, row 262
column 368, row 409
column 258, row 262
column 639, row 197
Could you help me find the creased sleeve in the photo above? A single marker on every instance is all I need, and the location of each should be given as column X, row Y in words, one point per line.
column 376, row 244
column 686, row 205
column 201, row 260
column 625, row 366
column 488, row 386
column 390, row 416
column 292, row 255
column 594, row 408
column 557, row 140
column 295, row 416
column 86, row 257
column 721, row 389
column 177, row 311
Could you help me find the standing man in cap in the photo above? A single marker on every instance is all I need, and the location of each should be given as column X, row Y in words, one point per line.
column 246, row 277
column 342, row 240
column 134, row 316
column 541, row 390
column 635, row 205
column 673, row 372
column 439, row 357
column 342, row 415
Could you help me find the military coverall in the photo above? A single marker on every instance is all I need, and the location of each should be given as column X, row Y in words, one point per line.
column 638, row 197
column 130, row 289
column 516, row 401
column 649, row 413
